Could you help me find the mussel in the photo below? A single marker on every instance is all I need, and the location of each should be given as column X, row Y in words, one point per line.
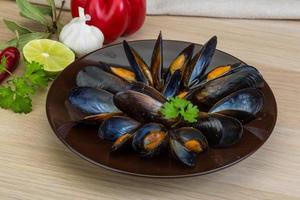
column 157, row 63
column 218, row 72
column 180, row 62
column 181, row 153
column 123, row 72
column 148, row 90
column 172, row 87
column 213, row 74
column 205, row 96
column 139, row 106
column 192, row 139
column 150, row 139
column 244, row 104
column 116, row 127
column 199, row 63
column 96, row 77
column 185, row 143
column 219, row 130
column 92, row 101
column 122, row 142
column 138, row 65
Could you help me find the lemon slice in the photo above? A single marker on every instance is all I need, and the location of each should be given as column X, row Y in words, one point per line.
column 54, row 55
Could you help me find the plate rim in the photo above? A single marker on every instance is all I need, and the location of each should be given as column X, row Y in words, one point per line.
column 149, row 175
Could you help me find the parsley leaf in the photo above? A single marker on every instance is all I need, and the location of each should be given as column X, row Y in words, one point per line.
column 9, row 99
column 22, row 104
column 22, row 87
column 6, row 97
column 169, row 111
column 190, row 114
column 180, row 103
column 17, row 95
column 177, row 107
column 36, row 74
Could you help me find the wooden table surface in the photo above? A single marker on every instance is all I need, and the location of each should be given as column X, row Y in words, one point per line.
column 36, row 165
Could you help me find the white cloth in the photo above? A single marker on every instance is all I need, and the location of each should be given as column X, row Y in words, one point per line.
column 264, row 9
column 253, row 9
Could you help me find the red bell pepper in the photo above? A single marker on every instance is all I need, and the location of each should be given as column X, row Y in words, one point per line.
column 113, row 17
column 12, row 56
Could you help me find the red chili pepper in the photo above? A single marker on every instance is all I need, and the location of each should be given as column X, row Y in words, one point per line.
column 12, row 56
column 114, row 17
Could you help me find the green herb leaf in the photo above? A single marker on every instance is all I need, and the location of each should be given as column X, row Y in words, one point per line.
column 46, row 10
column 21, row 104
column 190, row 114
column 17, row 103
column 17, row 95
column 31, row 12
column 6, row 97
column 13, row 27
column 177, row 107
column 36, row 74
column 24, row 39
column 180, row 103
column 169, row 111
column 22, row 87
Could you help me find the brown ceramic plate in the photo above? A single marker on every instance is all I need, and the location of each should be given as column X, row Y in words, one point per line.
column 83, row 140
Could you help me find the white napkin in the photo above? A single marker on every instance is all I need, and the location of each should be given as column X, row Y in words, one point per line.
column 261, row 9
column 269, row 9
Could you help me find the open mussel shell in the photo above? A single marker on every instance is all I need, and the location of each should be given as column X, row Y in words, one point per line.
column 150, row 139
column 157, row 63
column 219, row 72
column 199, row 63
column 97, row 77
column 181, row 153
column 207, row 95
column 172, row 87
column 115, row 127
column 181, row 61
column 123, row 72
column 92, row 101
column 140, row 68
column 192, row 139
column 78, row 116
column 244, row 104
column 123, row 142
column 219, row 130
column 140, row 106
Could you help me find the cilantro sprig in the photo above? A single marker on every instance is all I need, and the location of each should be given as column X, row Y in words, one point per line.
column 180, row 108
column 16, row 94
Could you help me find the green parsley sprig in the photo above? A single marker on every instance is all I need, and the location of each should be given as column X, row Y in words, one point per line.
column 16, row 95
column 177, row 108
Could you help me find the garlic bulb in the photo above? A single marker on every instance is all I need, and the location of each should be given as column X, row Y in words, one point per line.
column 80, row 37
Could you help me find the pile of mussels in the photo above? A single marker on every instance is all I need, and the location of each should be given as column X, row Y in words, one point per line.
column 126, row 101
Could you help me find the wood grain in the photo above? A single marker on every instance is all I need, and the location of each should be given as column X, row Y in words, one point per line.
column 36, row 165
